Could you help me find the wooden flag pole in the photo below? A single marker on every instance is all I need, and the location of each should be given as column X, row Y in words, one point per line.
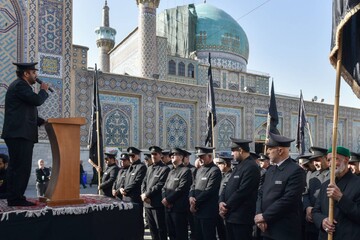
column 335, row 128
column 97, row 129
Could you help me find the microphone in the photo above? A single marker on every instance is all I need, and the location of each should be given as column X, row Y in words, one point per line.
column 40, row 82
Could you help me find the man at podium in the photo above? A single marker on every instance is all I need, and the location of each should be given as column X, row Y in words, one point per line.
column 20, row 129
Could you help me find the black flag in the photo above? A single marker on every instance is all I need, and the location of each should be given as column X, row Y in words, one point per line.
column 300, row 135
column 210, row 108
column 346, row 20
column 273, row 117
column 94, row 128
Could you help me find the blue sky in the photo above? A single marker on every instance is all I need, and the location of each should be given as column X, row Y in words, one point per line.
column 289, row 40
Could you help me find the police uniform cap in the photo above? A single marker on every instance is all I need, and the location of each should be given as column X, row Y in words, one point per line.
column 165, row 152
column 4, row 157
column 317, row 152
column 242, row 143
column 111, row 154
column 254, row 155
column 340, row 150
column 133, row 151
column 177, row 150
column 200, row 151
column 263, row 157
column 25, row 66
column 304, row 159
column 187, row 153
column 155, row 149
column 276, row 140
column 124, row 156
column 355, row 157
column 223, row 159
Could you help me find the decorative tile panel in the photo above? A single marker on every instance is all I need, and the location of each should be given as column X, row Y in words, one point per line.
column 50, row 65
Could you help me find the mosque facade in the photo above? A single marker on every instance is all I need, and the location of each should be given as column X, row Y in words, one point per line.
column 153, row 83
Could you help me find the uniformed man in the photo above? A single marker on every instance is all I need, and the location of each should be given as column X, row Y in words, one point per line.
column 264, row 164
column 151, row 194
column 238, row 199
column 148, row 160
column 131, row 188
column 166, row 158
column 224, row 164
column 354, row 163
column 204, row 195
column 313, row 184
column 125, row 164
column 279, row 203
column 346, row 195
column 110, row 173
column 175, row 195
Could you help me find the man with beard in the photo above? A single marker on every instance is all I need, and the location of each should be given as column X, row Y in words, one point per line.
column 279, row 203
column 238, row 199
column 152, row 194
column 125, row 164
column 354, row 163
column 175, row 195
column 346, row 195
column 204, row 195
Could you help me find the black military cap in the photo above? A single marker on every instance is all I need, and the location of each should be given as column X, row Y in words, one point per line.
column 355, row 157
column 111, row 154
column 155, row 149
column 203, row 150
column 242, row 143
column 263, row 157
column 25, row 66
column 222, row 158
column 317, row 152
column 276, row 140
column 4, row 157
column 254, row 155
column 304, row 159
column 147, row 156
column 177, row 150
column 165, row 152
column 124, row 156
column 187, row 153
column 133, row 151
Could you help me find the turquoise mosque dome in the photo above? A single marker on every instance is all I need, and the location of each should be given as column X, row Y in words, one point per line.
column 217, row 31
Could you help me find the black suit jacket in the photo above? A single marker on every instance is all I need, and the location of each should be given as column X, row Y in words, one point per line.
column 42, row 175
column 120, row 180
column 346, row 211
column 133, row 180
column 205, row 190
column 240, row 192
column 279, row 200
column 21, row 115
column 153, row 183
column 176, row 189
column 108, row 179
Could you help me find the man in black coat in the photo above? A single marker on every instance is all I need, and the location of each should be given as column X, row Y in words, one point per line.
column 110, row 173
column 125, row 164
column 279, row 204
column 20, row 130
column 346, row 195
column 175, row 195
column 204, row 195
column 238, row 199
column 151, row 194
column 131, row 188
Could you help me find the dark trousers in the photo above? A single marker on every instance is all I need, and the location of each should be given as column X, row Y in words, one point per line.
column 205, row 228
column 19, row 167
column 177, row 225
column 41, row 188
column 238, row 231
column 156, row 220
column 220, row 228
column 192, row 225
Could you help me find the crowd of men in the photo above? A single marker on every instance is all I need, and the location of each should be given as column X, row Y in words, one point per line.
column 246, row 196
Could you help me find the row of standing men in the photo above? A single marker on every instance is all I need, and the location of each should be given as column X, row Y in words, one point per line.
column 209, row 197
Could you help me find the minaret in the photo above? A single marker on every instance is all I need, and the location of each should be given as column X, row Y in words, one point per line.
column 105, row 40
column 147, row 38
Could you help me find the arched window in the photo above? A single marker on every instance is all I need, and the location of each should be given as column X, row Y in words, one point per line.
column 172, row 67
column 181, row 69
column 191, row 71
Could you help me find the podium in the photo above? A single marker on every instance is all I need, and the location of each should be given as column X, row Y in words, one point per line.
column 64, row 184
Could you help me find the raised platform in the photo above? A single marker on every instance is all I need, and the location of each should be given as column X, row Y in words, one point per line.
column 98, row 218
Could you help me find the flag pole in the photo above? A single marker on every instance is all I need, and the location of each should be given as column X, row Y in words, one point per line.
column 213, row 134
column 309, row 132
column 97, row 128
column 335, row 128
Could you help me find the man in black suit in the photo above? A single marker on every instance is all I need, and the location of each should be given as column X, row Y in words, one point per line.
column 279, row 204
column 238, row 199
column 20, row 130
column 151, row 189
column 175, row 195
column 346, row 195
column 110, row 173
column 125, row 164
column 204, row 195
